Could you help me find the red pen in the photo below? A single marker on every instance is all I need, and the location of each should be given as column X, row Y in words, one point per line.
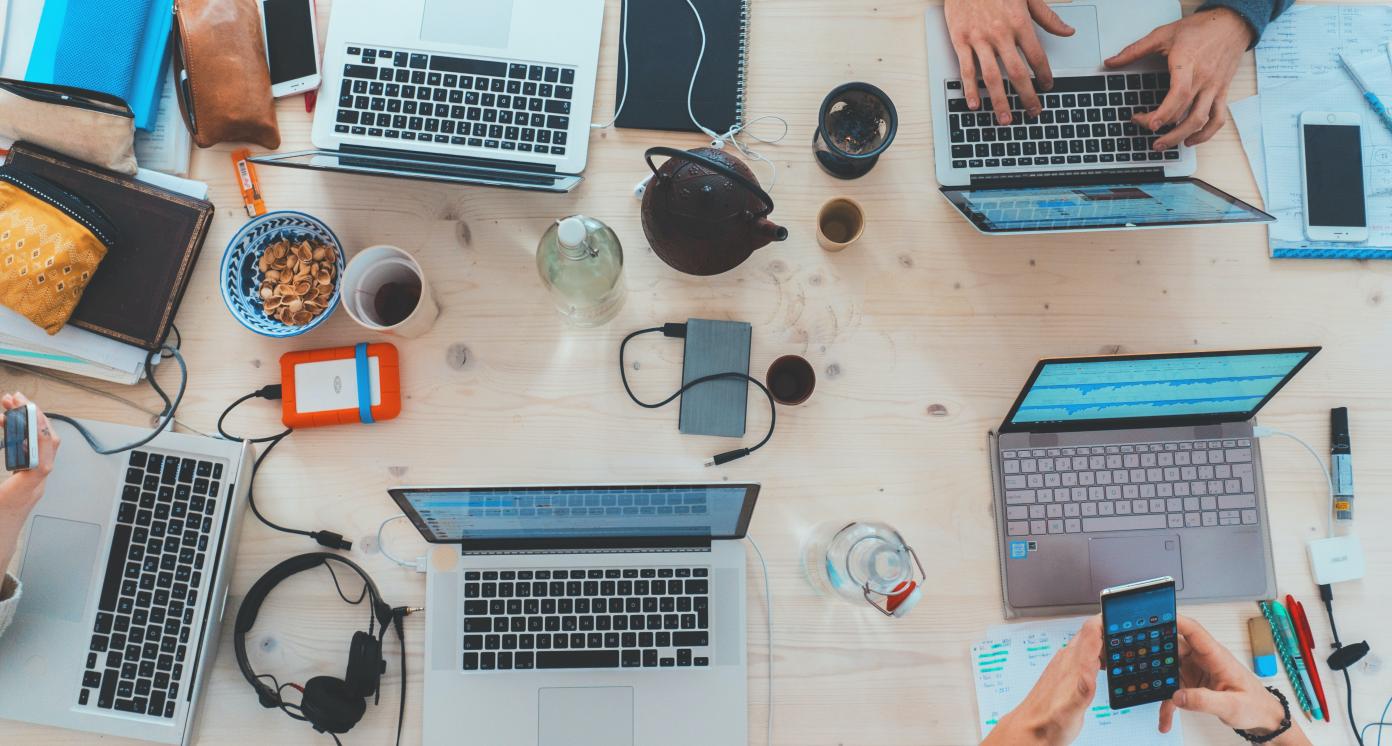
column 1307, row 645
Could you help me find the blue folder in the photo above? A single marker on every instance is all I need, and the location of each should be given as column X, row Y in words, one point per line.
column 113, row 46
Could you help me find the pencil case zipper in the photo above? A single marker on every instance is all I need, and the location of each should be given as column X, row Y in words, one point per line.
column 62, row 95
column 65, row 201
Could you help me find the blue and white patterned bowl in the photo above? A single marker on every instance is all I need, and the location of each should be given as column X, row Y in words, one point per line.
column 241, row 278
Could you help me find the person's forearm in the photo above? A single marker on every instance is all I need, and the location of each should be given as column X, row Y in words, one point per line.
column 1257, row 13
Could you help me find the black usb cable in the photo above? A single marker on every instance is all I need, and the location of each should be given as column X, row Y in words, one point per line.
column 678, row 331
column 330, row 539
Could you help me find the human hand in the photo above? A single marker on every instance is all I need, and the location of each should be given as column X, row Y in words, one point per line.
column 1052, row 713
column 1203, row 51
column 22, row 490
column 982, row 30
column 1214, row 682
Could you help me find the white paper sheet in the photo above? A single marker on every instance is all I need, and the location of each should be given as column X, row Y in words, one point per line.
column 1006, row 665
column 166, row 146
column 1246, row 116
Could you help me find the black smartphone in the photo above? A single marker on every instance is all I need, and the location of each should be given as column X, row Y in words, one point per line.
column 21, row 438
column 1140, row 642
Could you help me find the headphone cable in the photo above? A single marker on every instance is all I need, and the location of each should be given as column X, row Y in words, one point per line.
column 679, row 331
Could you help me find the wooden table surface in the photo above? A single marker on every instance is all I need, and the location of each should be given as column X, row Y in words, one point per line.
column 921, row 335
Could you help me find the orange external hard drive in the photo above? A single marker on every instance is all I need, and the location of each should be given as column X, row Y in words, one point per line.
column 340, row 386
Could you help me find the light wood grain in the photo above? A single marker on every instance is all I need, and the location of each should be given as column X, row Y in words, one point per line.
column 921, row 335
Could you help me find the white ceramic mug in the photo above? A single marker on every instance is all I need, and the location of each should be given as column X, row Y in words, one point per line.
column 371, row 270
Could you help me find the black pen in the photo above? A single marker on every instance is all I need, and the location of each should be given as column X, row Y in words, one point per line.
column 1341, row 454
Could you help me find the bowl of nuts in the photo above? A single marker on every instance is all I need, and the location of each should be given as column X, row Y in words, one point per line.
column 280, row 273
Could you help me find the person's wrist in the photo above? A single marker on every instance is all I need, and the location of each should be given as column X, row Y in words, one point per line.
column 1231, row 18
column 1029, row 727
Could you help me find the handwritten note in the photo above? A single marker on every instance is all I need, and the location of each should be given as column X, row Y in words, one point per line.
column 1010, row 661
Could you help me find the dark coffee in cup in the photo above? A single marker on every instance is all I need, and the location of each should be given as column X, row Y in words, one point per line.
column 396, row 301
column 791, row 380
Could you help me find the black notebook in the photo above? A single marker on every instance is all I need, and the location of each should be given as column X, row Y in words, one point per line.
column 663, row 43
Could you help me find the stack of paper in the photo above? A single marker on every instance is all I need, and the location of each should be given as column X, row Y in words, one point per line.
column 1008, row 663
column 1298, row 70
column 75, row 350
column 167, row 145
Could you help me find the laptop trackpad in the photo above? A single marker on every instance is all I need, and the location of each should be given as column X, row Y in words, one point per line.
column 477, row 23
column 1127, row 559
column 586, row 716
column 1082, row 49
column 58, row 567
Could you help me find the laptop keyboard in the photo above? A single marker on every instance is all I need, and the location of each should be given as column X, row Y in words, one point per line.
column 442, row 99
column 145, row 613
column 1182, row 484
column 593, row 618
column 1086, row 120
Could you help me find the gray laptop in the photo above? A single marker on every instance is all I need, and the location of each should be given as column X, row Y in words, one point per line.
column 125, row 574
column 585, row 616
column 1114, row 469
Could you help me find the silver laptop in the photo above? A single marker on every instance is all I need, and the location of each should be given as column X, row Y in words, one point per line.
column 125, row 574
column 585, row 616
column 1114, row 469
column 1081, row 164
column 492, row 92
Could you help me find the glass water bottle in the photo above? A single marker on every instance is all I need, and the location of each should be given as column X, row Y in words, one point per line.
column 581, row 263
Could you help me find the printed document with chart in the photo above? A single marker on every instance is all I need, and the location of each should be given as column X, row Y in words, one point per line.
column 1298, row 70
column 1006, row 665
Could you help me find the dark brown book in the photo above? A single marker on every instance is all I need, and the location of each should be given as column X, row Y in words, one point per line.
column 138, row 286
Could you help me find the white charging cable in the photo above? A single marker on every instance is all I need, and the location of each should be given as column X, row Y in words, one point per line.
column 718, row 141
column 768, row 617
column 418, row 565
column 1262, row 432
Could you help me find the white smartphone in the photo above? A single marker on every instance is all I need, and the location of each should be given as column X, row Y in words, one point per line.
column 292, row 46
column 1331, row 176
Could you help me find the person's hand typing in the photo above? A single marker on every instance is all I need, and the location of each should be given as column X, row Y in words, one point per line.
column 983, row 31
column 1212, row 681
column 1052, row 713
column 1203, row 51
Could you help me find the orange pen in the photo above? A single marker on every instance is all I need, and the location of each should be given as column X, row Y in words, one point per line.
column 1307, row 645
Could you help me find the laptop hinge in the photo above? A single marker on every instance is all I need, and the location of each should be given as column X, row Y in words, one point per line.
column 612, row 545
column 1145, row 174
column 596, row 550
column 428, row 159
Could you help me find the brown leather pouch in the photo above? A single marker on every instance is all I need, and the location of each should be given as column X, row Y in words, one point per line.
column 220, row 67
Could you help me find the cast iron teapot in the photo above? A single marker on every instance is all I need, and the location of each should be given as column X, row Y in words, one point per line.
column 704, row 212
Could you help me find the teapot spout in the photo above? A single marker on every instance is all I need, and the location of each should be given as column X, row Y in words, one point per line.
column 770, row 231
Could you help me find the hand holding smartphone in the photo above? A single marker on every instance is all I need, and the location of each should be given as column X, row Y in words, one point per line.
column 22, row 438
column 1140, row 642
column 1331, row 155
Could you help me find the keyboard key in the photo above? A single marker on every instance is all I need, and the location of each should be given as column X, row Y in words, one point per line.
column 1123, row 523
column 577, row 659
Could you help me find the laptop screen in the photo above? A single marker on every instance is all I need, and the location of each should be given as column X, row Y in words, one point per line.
column 544, row 514
column 1008, row 209
column 1222, row 386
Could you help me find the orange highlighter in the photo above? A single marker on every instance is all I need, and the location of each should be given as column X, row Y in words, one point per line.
column 1307, row 648
column 340, row 385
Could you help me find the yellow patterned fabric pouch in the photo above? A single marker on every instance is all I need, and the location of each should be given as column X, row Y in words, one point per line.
column 51, row 242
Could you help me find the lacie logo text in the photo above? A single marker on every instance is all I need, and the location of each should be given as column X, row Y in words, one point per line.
column 1340, row 558
column 338, row 384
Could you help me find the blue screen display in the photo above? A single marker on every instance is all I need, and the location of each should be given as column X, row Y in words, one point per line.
column 1156, row 387
column 1101, row 206
column 531, row 513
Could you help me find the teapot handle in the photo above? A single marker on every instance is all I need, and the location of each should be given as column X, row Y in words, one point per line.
column 713, row 165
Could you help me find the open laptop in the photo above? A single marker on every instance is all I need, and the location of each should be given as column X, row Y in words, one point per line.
column 1114, row 469
column 585, row 616
column 492, row 92
column 125, row 574
column 1081, row 164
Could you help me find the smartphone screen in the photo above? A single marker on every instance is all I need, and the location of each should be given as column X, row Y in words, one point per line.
column 289, row 39
column 17, row 439
column 1140, row 644
column 1334, row 175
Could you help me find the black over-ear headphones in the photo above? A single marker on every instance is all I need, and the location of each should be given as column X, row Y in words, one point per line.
column 329, row 704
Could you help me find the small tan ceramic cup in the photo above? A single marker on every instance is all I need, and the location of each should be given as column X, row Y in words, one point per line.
column 839, row 223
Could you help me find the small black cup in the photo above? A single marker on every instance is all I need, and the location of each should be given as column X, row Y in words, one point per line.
column 855, row 125
column 791, row 380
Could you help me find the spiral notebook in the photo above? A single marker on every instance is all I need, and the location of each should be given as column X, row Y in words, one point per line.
column 663, row 42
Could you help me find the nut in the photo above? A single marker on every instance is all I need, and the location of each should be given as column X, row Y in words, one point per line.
column 297, row 280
